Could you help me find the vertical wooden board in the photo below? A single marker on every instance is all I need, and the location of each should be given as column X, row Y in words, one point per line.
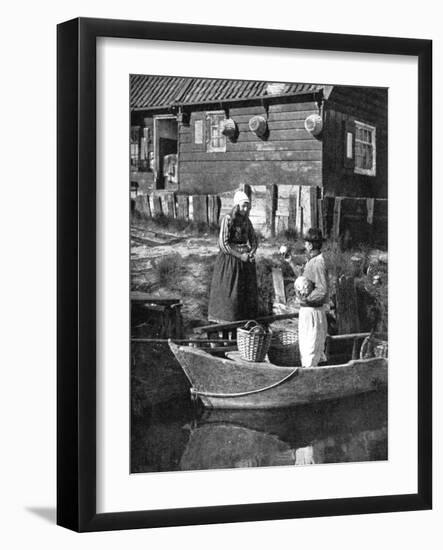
column 170, row 205
column 320, row 219
column 210, row 200
column 281, row 223
column 146, row 206
column 213, row 209
column 183, row 207
column 370, row 210
column 217, row 209
column 380, row 225
column 347, row 310
column 200, row 208
column 309, row 205
column 313, row 201
column 336, row 219
column 271, row 207
column 282, row 200
column 163, row 202
column 258, row 208
column 139, row 204
column 157, row 205
column 292, row 214
column 282, row 212
column 328, row 213
column 279, row 285
column 191, row 207
column 300, row 223
column 304, row 203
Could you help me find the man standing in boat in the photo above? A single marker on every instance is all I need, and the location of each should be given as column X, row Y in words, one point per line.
column 312, row 324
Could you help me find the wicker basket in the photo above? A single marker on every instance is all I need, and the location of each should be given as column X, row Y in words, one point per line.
column 375, row 345
column 253, row 341
column 284, row 350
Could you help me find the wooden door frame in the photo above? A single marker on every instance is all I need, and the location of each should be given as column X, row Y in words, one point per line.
column 155, row 119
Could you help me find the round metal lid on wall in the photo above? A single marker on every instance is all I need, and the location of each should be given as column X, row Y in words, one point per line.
column 314, row 124
column 229, row 128
column 258, row 125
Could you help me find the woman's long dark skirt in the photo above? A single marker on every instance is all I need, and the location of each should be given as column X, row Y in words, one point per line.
column 234, row 294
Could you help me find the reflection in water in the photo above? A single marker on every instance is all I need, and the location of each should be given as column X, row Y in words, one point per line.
column 177, row 437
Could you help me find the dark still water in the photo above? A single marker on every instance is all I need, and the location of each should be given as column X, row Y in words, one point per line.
column 181, row 436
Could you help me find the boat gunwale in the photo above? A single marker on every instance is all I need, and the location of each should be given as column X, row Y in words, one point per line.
column 265, row 365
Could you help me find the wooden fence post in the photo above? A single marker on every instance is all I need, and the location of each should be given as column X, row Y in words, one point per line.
column 214, row 205
column 279, row 286
column 292, row 216
column 347, row 310
column 200, row 208
column 183, row 207
column 370, row 207
column 335, row 233
column 271, row 207
column 321, row 221
column 157, row 204
column 142, row 205
column 169, row 202
column 309, row 204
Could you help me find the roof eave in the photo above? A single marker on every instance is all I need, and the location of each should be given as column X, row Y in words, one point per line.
column 315, row 95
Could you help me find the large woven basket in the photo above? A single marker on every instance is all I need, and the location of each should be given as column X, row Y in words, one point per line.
column 253, row 341
column 284, row 350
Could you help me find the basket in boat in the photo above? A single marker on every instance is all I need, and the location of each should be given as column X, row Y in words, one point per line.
column 253, row 341
column 284, row 349
column 374, row 345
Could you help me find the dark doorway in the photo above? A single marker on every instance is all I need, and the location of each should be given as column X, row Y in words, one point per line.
column 166, row 145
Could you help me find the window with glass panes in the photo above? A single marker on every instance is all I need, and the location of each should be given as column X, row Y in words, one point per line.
column 364, row 149
column 216, row 141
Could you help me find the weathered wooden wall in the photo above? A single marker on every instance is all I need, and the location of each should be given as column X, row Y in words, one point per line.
column 345, row 105
column 289, row 154
column 356, row 220
column 145, row 180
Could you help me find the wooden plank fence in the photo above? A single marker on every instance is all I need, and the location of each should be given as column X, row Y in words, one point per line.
column 197, row 208
column 280, row 208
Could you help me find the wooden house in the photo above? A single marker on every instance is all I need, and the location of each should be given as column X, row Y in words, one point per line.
column 277, row 140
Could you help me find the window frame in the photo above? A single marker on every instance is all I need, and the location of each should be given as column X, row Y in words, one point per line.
column 208, row 118
column 365, row 171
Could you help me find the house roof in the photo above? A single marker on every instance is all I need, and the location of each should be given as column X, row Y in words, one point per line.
column 153, row 92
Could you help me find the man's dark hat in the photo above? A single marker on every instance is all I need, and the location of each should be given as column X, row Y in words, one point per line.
column 314, row 235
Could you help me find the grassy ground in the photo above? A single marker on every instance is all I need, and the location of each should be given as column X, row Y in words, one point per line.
column 173, row 258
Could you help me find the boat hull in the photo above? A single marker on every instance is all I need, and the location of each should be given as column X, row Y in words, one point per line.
column 230, row 384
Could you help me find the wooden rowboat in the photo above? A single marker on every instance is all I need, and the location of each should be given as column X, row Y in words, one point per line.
column 233, row 383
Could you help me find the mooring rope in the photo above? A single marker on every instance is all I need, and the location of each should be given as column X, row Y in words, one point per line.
column 245, row 393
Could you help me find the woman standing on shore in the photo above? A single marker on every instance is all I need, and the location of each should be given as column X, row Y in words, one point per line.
column 234, row 294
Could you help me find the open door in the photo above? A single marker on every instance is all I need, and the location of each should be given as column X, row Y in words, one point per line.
column 166, row 144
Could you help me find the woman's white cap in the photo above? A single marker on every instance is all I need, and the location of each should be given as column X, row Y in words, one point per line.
column 240, row 197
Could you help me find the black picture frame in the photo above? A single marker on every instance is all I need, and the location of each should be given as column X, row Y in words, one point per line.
column 77, row 248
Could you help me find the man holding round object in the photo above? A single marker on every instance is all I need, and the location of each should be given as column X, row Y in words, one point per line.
column 312, row 325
